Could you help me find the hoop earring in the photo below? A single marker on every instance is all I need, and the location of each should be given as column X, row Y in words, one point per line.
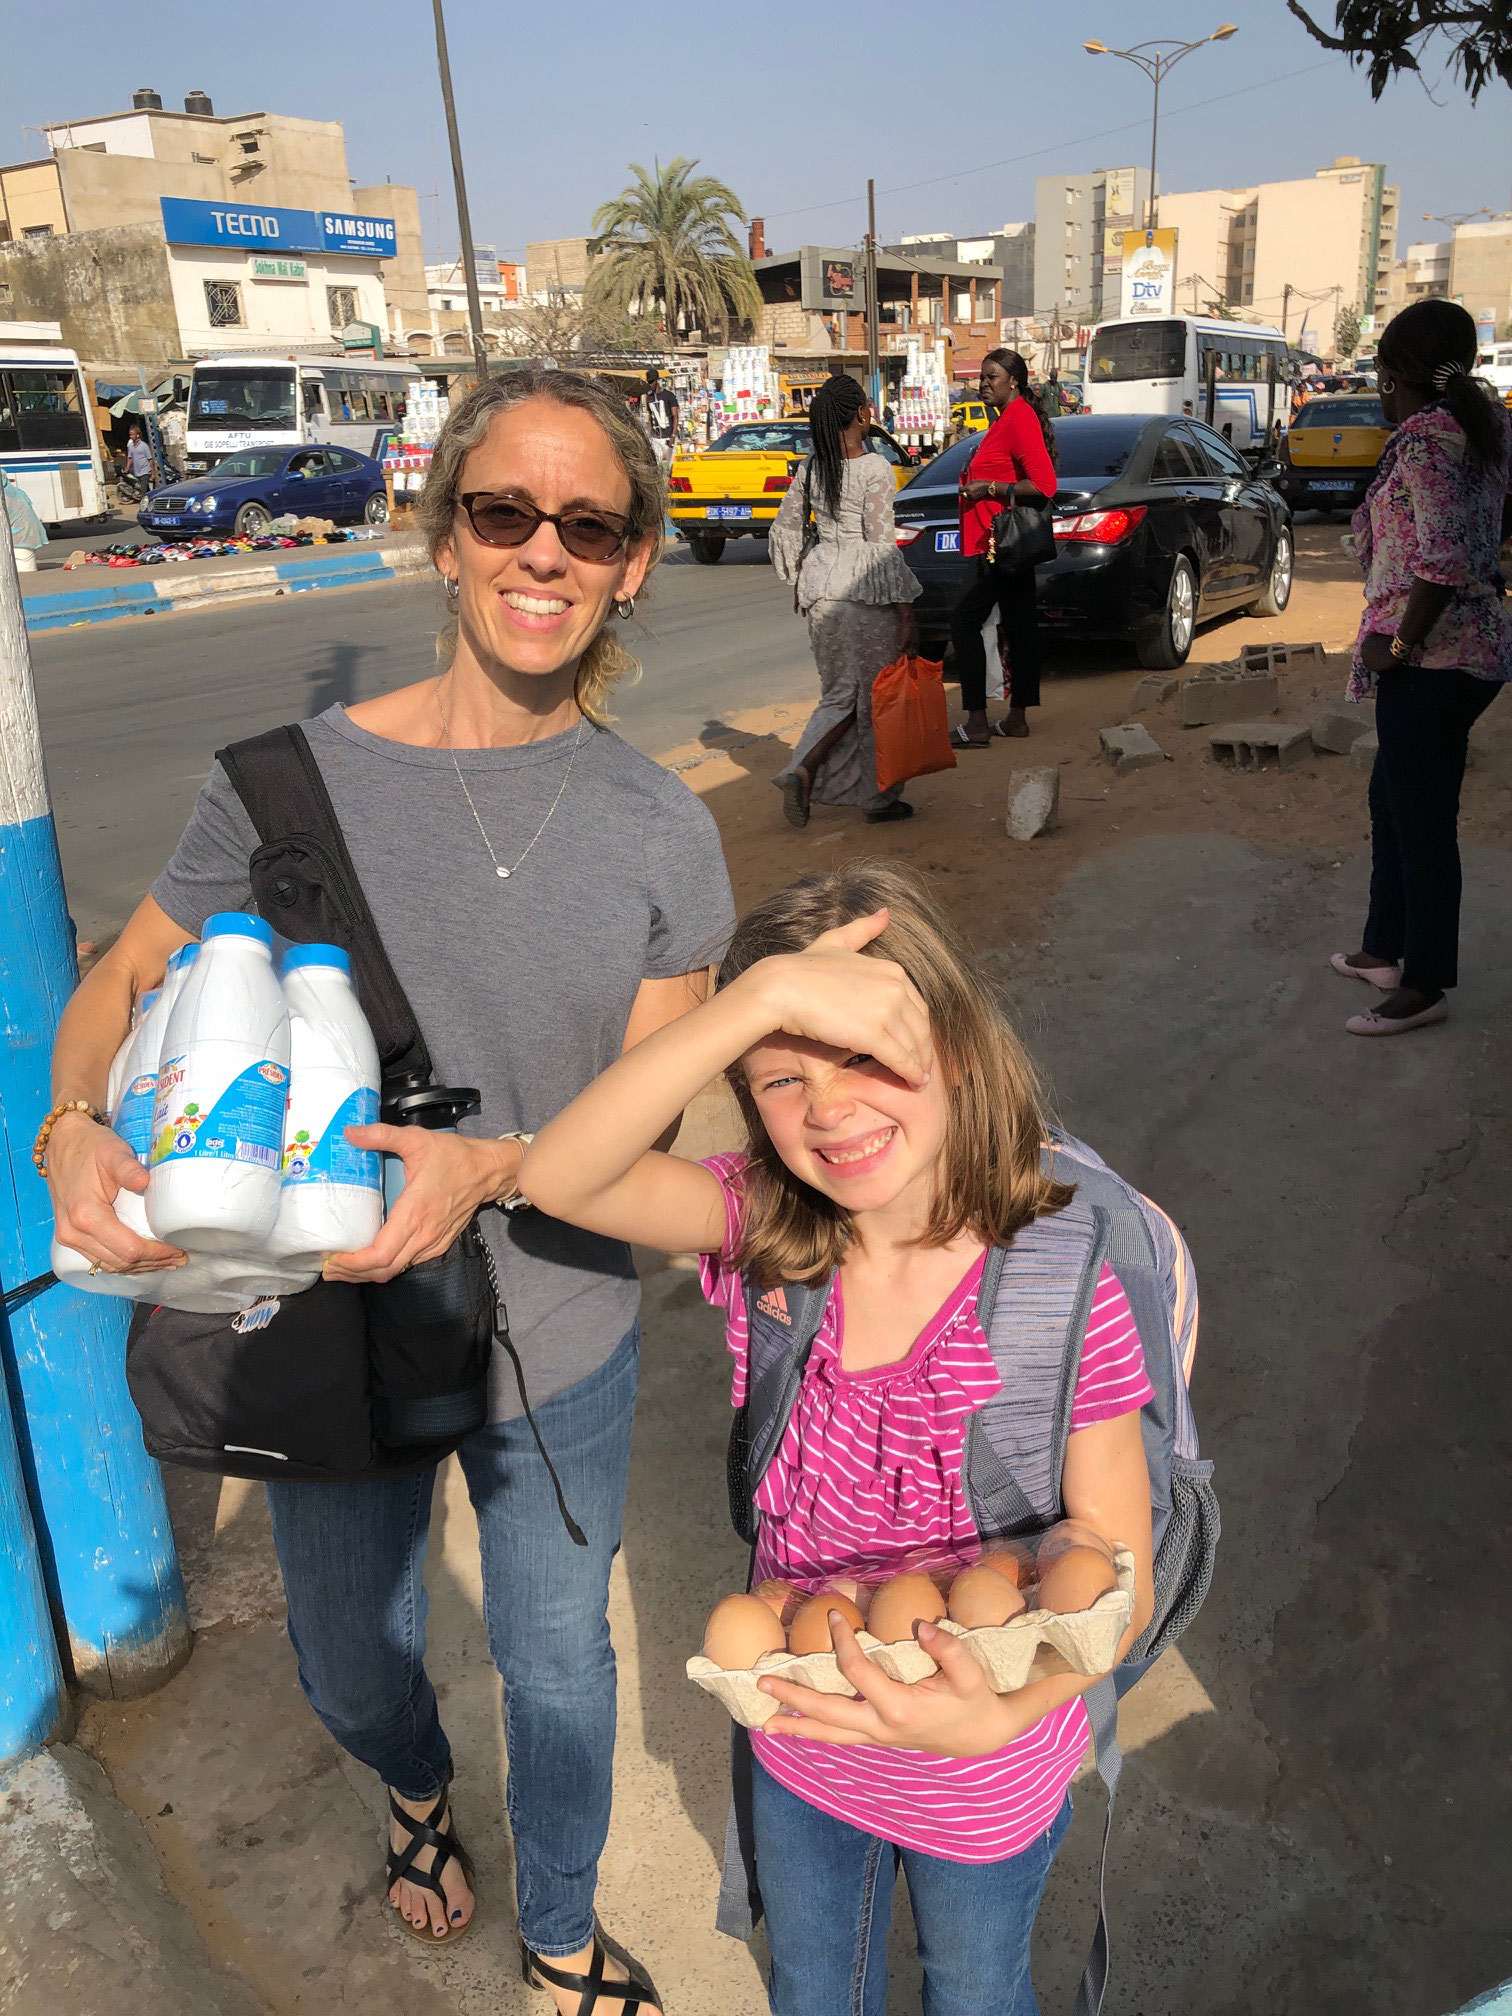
column 1387, row 385
column 624, row 608
column 454, row 592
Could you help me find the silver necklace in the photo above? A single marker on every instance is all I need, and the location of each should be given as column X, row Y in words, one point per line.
column 500, row 869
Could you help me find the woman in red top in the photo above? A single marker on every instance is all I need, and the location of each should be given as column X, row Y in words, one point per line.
column 1014, row 465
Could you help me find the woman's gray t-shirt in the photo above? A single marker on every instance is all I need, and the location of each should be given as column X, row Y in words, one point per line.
column 523, row 986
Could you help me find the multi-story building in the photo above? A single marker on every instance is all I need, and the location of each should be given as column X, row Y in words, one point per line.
column 816, row 305
column 155, row 236
column 1010, row 250
column 501, row 287
column 1289, row 252
column 1480, row 271
column 556, row 267
column 1079, row 222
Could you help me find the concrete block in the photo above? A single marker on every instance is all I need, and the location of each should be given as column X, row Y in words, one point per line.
column 1227, row 694
column 1271, row 657
column 1033, row 801
column 1130, row 747
column 1337, row 729
column 1261, row 745
column 1363, row 754
column 1154, row 690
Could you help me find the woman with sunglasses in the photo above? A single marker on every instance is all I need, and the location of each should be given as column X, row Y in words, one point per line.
column 547, row 897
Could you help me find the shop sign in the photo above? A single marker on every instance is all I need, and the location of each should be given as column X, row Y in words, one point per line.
column 243, row 228
column 1149, row 272
column 275, row 269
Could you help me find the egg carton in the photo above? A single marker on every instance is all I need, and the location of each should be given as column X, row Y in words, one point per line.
column 1087, row 1640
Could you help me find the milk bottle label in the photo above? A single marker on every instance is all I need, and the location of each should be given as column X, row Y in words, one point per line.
column 133, row 1120
column 245, row 1124
column 328, row 1156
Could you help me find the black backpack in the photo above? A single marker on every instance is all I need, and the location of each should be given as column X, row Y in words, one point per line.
column 340, row 1382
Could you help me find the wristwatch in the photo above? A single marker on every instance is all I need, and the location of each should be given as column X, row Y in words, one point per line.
column 515, row 1200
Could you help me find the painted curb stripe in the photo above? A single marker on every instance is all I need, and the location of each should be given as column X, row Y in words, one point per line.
column 104, row 601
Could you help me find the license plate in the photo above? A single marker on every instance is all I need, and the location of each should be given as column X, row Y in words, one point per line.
column 947, row 542
column 1331, row 483
column 729, row 510
column 165, row 521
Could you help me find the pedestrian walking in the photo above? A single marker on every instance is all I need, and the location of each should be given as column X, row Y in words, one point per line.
column 1435, row 647
column 660, row 411
column 894, row 1136
column 1015, row 464
column 835, row 540
column 547, row 896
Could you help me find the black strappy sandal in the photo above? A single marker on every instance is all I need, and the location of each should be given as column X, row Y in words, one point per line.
column 425, row 1834
column 636, row 1992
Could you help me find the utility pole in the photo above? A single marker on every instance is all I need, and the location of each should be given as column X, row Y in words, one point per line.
column 873, row 343
column 1286, row 294
column 464, row 222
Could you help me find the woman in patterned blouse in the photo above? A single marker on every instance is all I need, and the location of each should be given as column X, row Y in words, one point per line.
column 1435, row 646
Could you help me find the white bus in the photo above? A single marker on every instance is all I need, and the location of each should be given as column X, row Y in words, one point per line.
column 1181, row 363
column 1494, row 364
column 282, row 402
column 49, row 444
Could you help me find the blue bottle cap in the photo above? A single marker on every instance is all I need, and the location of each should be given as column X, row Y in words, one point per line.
column 316, row 955
column 184, row 957
column 237, row 924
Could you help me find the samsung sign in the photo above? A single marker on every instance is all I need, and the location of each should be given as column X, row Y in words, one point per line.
column 243, row 229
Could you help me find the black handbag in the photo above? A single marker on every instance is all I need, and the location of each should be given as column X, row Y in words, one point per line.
column 342, row 1382
column 1020, row 537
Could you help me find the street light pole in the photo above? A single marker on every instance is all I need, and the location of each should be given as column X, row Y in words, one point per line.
column 464, row 223
column 873, row 334
column 1157, row 59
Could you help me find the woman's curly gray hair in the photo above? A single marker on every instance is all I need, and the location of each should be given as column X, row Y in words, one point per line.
column 606, row 661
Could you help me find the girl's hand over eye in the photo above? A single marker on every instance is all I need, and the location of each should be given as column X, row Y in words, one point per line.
column 832, row 992
column 955, row 1713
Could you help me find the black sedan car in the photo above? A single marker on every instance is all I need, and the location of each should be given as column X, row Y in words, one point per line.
column 1159, row 524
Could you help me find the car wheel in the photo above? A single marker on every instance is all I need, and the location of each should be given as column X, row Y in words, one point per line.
column 705, row 548
column 1278, row 589
column 252, row 520
column 376, row 511
column 1167, row 646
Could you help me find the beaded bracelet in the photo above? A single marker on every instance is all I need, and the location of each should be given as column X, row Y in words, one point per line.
column 44, row 1132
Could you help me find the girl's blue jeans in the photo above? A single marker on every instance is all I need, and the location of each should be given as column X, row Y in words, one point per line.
column 827, row 1890
column 352, row 1557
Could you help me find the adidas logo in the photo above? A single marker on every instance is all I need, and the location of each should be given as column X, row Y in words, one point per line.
column 774, row 1304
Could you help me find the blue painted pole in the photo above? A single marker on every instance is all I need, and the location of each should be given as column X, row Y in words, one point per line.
column 101, row 1520
column 32, row 1702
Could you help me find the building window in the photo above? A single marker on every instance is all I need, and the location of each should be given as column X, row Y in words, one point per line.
column 223, row 304
column 342, row 303
column 37, row 231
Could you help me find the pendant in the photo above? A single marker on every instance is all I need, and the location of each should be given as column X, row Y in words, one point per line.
column 502, row 873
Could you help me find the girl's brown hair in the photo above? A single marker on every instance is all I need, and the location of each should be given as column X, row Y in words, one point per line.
column 991, row 1180
column 606, row 661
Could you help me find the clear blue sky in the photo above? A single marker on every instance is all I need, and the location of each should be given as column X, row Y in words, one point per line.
column 972, row 100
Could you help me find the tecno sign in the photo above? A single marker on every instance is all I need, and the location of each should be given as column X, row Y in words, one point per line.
column 187, row 221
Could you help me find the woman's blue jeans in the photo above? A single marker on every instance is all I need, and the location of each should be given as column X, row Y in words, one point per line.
column 352, row 1556
column 827, row 1890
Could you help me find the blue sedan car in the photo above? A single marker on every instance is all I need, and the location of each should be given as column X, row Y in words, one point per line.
column 245, row 492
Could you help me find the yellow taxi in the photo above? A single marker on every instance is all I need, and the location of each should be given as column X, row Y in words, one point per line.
column 969, row 416
column 733, row 489
column 1330, row 452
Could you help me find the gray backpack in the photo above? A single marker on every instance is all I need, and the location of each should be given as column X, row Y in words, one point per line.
column 1035, row 1297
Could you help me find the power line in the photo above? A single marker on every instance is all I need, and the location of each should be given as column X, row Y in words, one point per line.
column 1055, row 146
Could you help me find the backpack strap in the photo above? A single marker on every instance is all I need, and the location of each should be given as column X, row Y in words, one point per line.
column 306, row 886
column 1101, row 1704
column 781, row 1325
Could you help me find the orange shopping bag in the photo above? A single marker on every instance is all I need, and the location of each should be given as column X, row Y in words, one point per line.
column 908, row 721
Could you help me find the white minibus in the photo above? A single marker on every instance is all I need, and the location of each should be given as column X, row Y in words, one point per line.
column 1494, row 364
column 275, row 402
column 49, row 444
column 1191, row 364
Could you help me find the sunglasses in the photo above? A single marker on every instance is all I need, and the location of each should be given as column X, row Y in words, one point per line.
column 587, row 534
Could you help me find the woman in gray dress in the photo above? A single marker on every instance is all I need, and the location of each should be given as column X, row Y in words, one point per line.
column 835, row 541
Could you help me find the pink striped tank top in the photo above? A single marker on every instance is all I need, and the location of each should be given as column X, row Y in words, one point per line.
column 868, row 1478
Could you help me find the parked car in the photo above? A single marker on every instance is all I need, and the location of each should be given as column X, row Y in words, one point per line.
column 1159, row 524
column 1330, row 452
column 734, row 487
column 246, row 491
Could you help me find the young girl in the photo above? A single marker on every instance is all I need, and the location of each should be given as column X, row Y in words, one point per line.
column 894, row 1136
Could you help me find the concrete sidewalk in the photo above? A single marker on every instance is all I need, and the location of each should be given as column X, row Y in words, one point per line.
column 1313, row 1813
column 59, row 598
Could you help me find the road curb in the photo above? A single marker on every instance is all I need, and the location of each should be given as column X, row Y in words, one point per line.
column 167, row 591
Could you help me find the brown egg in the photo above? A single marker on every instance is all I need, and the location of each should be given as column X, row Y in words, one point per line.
column 741, row 1630
column 1076, row 1580
column 981, row 1596
column 781, row 1598
column 810, row 1631
column 847, row 1585
column 1008, row 1559
column 900, row 1604
column 1063, row 1537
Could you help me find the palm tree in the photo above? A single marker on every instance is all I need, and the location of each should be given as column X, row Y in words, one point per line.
column 666, row 245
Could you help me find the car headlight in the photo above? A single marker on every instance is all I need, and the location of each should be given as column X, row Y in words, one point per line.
column 207, row 503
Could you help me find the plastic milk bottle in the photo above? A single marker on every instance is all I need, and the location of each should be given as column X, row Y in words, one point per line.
column 331, row 1200
column 217, row 1130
